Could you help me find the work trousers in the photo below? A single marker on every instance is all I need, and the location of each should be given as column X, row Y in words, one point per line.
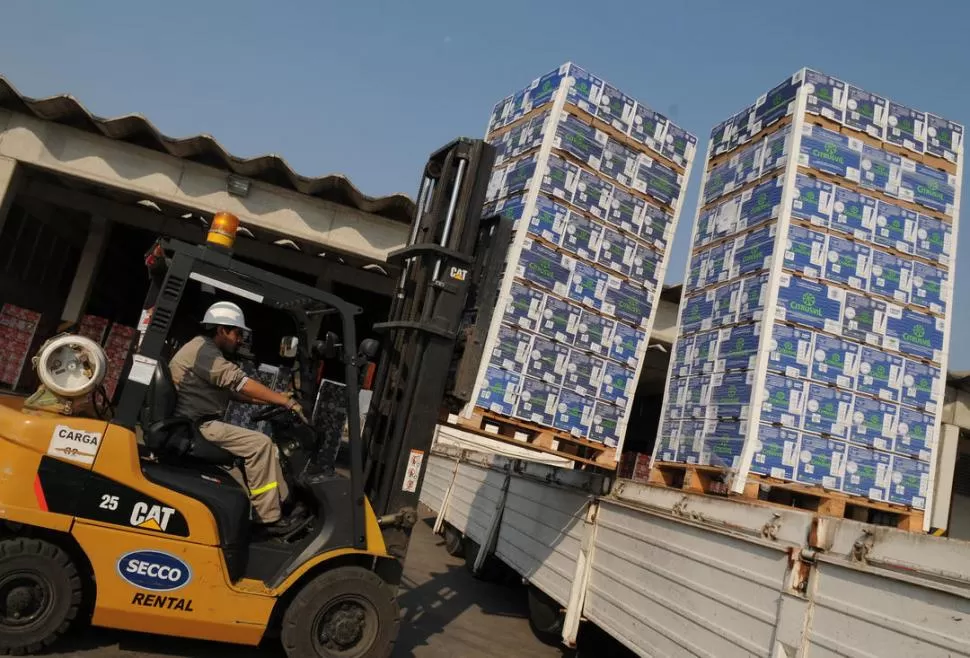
column 264, row 476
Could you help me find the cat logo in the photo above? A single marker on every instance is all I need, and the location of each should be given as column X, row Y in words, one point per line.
column 151, row 517
column 459, row 274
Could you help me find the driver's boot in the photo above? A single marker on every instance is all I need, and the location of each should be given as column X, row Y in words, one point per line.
column 282, row 527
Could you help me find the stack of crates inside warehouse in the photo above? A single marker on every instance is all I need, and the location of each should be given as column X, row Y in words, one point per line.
column 813, row 333
column 595, row 183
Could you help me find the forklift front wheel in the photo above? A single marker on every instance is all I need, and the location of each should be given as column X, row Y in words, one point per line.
column 40, row 593
column 348, row 612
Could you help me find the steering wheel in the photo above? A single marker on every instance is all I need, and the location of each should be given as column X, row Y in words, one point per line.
column 272, row 412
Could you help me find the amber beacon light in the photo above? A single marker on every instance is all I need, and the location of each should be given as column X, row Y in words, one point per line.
column 222, row 231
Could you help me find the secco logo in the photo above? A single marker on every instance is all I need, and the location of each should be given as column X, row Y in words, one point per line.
column 154, row 571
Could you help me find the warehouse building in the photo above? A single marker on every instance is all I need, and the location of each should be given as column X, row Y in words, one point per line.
column 82, row 199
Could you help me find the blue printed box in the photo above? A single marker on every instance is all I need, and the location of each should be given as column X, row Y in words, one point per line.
column 513, row 179
column 691, row 443
column 661, row 182
column 835, row 361
column 684, row 348
column 874, row 422
column 607, row 424
column 722, row 137
column 896, row 227
column 524, row 307
column 805, row 253
column 545, row 268
column 584, row 373
column 580, row 140
column 696, row 313
column 549, row 220
column 719, row 264
column 917, row 434
column 853, row 213
column 678, row 145
column 881, row 170
column 747, row 164
column 628, row 302
column 584, row 88
column 934, row 239
column 512, row 349
column 944, row 138
column 617, row 252
column 703, row 358
column 848, row 262
column 731, row 394
column 558, row 180
column 784, row 400
column 574, row 413
column 648, row 126
column 809, row 303
column 821, row 461
column 619, row 163
column 761, row 203
column 890, row 276
column 583, row 236
column 828, row 410
column 738, row 347
column 616, row 108
column 790, row 351
column 929, row 288
column 866, row 112
column 697, row 397
column 776, row 452
column 628, row 212
column 922, row 383
column 548, row 361
column 867, row 473
column 537, row 402
column 677, row 393
column 880, row 374
column 542, row 90
column 826, row 95
column 776, row 151
column 830, row 152
column 592, row 194
column 724, row 445
column 753, row 251
column 726, row 220
column 646, row 263
column 669, row 440
column 864, row 319
column 906, row 127
column 560, row 320
column 914, row 333
column 928, row 187
column 909, row 482
column 775, row 104
column 658, row 227
column 628, row 344
column 499, row 391
column 754, row 293
column 726, row 304
column 720, row 181
column 589, row 286
column 595, row 333
column 812, row 200
column 618, row 385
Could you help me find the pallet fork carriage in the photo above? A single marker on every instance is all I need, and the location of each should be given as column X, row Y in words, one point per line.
column 157, row 536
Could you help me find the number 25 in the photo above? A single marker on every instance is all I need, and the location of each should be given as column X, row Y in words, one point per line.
column 109, row 502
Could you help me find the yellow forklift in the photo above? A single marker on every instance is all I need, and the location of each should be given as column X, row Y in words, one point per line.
column 155, row 535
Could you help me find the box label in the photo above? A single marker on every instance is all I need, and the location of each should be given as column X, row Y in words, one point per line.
column 627, row 344
column 617, row 252
column 731, row 394
column 776, row 151
column 930, row 188
column 753, row 251
column 607, row 428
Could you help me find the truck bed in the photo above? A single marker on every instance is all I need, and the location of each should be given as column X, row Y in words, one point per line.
column 673, row 574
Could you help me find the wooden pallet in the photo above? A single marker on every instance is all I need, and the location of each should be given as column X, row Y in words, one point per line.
column 544, row 439
column 714, row 480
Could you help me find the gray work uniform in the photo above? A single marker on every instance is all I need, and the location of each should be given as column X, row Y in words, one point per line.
column 205, row 381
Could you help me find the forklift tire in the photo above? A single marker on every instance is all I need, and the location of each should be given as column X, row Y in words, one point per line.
column 546, row 617
column 347, row 612
column 454, row 542
column 40, row 595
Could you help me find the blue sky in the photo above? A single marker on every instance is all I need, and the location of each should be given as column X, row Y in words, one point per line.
column 369, row 89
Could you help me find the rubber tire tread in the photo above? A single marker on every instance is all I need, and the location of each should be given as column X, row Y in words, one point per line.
column 65, row 582
column 297, row 635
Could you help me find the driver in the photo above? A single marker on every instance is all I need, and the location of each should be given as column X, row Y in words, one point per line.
column 206, row 381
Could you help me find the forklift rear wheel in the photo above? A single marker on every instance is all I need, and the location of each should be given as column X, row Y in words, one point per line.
column 40, row 594
column 348, row 612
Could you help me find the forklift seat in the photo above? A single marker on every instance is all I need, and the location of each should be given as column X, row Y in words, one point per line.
column 172, row 438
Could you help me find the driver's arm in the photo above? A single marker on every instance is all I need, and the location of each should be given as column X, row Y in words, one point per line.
column 259, row 393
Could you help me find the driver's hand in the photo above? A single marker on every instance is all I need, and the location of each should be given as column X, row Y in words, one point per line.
column 297, row 408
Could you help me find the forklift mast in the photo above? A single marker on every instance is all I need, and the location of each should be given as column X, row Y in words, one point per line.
column 449, row 276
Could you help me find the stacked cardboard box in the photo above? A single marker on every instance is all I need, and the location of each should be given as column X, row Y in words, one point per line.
column 595, row 182
column 814, row 328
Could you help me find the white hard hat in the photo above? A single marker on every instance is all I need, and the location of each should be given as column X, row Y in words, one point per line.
column 226, row 314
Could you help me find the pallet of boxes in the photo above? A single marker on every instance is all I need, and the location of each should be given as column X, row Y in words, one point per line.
column 594, row 181
column 809, row 363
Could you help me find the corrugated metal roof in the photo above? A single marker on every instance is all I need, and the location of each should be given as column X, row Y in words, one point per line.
column 204, row 149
